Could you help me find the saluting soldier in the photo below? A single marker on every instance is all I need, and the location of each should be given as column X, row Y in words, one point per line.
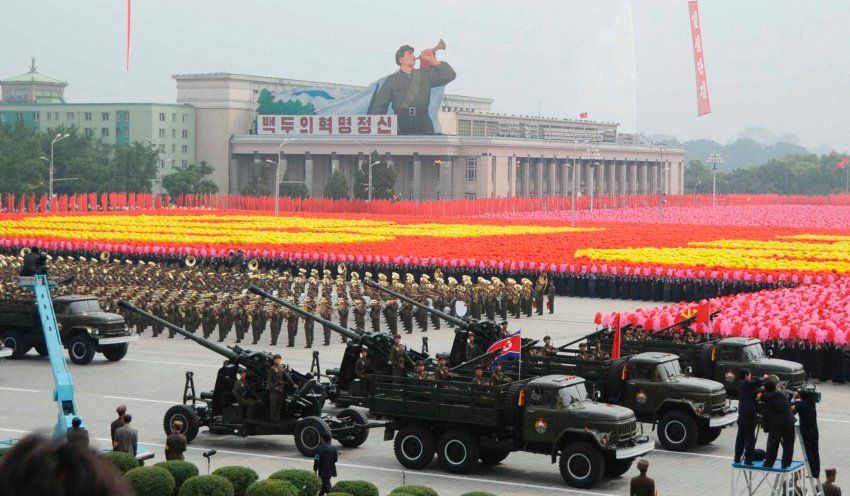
column 278, row 380
column 325, row 312
column 362, row 368
column 275, row 316
column 291, row 327
column 398, row 357
column 443, row 372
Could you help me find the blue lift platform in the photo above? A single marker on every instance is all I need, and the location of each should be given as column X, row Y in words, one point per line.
column 795, row 480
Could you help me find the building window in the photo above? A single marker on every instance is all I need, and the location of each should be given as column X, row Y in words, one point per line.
column 478, row 128
column 185, row 133
column 173, row 133
column 469, row 196
column 36, row 116
column 185, row 163
column 87, row 116
column 185, row 148
column 173, row 148
column 161, row 148
column 162, row 117
column 464, row 127
column 185, row 117
column 124, row 115
column 161, row 133
column 50, row 116
column 89, row 132
column 104, row 116
column 104, row 132
column 173, row 117
column 69, row 116
column 471, row 170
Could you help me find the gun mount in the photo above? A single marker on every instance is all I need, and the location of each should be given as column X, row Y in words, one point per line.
column 249, row 414
column 380, row 344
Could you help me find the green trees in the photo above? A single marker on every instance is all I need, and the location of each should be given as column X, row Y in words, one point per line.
column 337, row 186
column 191, row 180
column 383, row 179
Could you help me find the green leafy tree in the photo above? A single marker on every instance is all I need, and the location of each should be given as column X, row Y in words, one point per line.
column 21, row 169
column 259, row 180
column 268, row 106
column 294, row 190
column 337, row 186
column 134, row 167
column 383, row 179
column 191, row 180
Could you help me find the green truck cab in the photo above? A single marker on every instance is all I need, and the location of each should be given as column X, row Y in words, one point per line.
column 85, row 329
column 719, row 359
column 465, row 425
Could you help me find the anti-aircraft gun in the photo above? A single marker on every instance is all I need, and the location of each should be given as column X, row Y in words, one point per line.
column 345, row 388
column 219, row 411
column 486, row 332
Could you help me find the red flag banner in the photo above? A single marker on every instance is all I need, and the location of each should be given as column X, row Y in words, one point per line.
column 583, row 115
column 703, row 102
column 618, row 338
column 704, row 313
column 842, row 163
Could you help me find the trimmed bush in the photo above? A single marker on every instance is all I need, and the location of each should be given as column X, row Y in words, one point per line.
column 240, row 477
column 124, row 461
column 414, row 491
column 337, row 494
column 478, row 493
column 180, row 470
column 356, row 488
column 272, row 487
column 151, row 481
column 307, row 483
column 207, row 485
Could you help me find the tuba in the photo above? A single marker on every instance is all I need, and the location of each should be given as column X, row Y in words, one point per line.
column 104, row 256
column 190, row 261
column 253, row 265
column 24, row 251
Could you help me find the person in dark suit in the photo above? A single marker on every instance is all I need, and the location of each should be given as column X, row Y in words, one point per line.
column 745, row 441
column 119, row 422
column 829, row 487
column 324, row 464
column 76, row 434
column 778, row 422
column 641, row 485
column 804, row 405
column 34, row 263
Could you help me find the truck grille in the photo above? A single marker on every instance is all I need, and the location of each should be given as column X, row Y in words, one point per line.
column 717, row 402
column 796, row 380
column 626, row 430
column 112, row 329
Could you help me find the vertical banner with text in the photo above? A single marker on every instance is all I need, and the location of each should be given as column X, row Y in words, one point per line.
column 703, row 102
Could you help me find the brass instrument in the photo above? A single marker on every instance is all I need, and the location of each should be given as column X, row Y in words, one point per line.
column 253, row 265
column 190, row 261
column 441, row 45
column 24, row 251
column 104, row 256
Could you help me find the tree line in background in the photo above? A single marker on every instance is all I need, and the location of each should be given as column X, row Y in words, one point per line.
column 799, row 174
column 85, row 164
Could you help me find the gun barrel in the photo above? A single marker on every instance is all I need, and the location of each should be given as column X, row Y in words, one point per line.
column 221, row 350
column 439, row 313
column 350, row 334
column 591, row 335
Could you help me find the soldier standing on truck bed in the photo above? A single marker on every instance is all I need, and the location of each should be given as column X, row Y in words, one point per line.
column 361, row 369
column 398, row 356
column 278, row 381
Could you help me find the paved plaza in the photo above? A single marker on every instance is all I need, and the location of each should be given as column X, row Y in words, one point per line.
column 151, row 379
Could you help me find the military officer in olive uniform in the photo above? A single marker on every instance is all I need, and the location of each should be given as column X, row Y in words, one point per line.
column 478, row 378
column 291, row 327
column 550, row 295
column 548, row 349
column 375, row 314
column 498, row 377
column 310, row 307
column 258, row 322
column 342, row 310
column 362, row 368
column 391, row 316
column 325, row 311
column 421, row 374
column 406, row 313
column 398, row 357
column 360, row 315
column 244, row 394
column 278, row 381
column 275, row 316
column 443, row 373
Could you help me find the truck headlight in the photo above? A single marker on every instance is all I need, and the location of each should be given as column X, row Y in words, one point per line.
column 602, row 437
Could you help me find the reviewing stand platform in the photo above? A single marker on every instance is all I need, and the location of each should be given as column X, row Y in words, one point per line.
column 796, row 480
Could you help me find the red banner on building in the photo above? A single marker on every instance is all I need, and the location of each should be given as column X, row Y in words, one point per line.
column 703, row 102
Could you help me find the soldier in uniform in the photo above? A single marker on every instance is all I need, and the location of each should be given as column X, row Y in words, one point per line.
column 275, row 316
column 208, row 319
column 504, row 332
column 398, row 357
column 583, row 353
column 310, row 307
column 421, row 374
column 360, row 315
column 244, row 394
column 538, row 293
column 240, row 321
column 478, row 378
column 278, row 381
column 325, row 311
column 225, row 321
column 391, row 316
column 406, row 313
column 471, row 347
column 498, row 377
column 548, row 349
column 362, row 368
column 550, row 295
column 291, row 327
column 258, row 322
column 443, row 372
column 342, row 310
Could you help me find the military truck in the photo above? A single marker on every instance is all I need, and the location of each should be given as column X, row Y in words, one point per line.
column 85, row 329
column 466, row 425
column 719, row 359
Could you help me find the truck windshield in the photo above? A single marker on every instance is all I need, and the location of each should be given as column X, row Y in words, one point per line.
column 572, row 394
column 84, row 306
column 753, row 352
column 668, row 370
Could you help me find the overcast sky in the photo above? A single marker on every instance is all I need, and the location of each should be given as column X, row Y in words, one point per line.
column 779, row 64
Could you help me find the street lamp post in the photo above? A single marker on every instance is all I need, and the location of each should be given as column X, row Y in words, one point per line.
column 57, row 139
column 662, row 188
column 695, row 187
column 277, row 176
column 714, row 159
column 369, row 185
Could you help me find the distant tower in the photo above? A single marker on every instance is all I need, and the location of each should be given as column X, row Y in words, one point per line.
column 33, row 87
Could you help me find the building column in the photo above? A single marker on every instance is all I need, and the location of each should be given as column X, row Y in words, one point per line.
column 681, row 178
column 624, row 169
column 417, row 178
column 334, row 162
column 633, row 178
column 612, row 178
column 526, row 172
column 511, row 176
column 308, row 173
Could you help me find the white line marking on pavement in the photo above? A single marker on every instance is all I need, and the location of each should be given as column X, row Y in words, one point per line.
column 139, row 399
column 20, row 390
column 834, row 420
column 172, row 363
column 703, row 455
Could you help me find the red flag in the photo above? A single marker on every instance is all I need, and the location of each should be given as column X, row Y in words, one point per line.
column 615, row 348
column 704, row 313
column 598, row 318
column 703, row 102
column 583, row 115
column 842, row 163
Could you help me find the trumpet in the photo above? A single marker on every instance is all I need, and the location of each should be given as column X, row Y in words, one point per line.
column 190, row 261
column 104, row 255
column 441, row 45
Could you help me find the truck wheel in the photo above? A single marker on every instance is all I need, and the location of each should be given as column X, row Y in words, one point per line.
column 458, row 451
column 414, row 447
column 115, row 352
column 707, row 435
column 81, row 349
column 358, row 419
column 185, row 414
column 615, row 467
column 510, row 402
column 493, row 456
column 677, row 431
column 581, row 464
column 41, row 349
column 14, row 341
column 308, row 434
